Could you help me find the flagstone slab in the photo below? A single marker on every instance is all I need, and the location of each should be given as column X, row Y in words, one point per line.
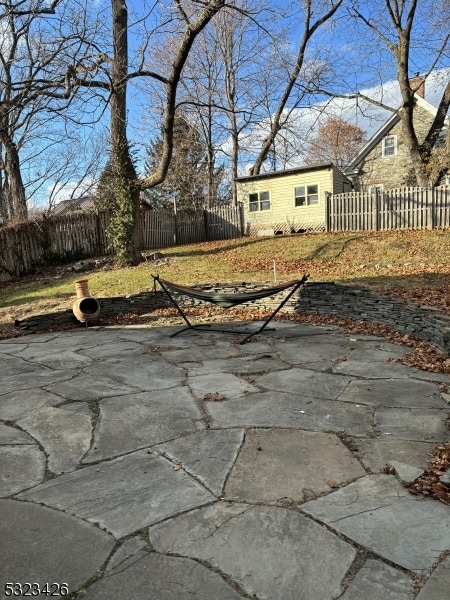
column 82, row 338
column 199, row 354
column 270, row 409
column 430, row 376
column 376, row 580
column 376, row 453
column 90, row 387
column 226, row 384
column 123, row 495
column 13, row 366
column 21, row 403
column 288, row 329
column 401, row 393
column 305, row 383
column 321, row 353
column 111, row 348
column 41, row 545
column 381, row 515
column 160, row 336
column 207, row 455
column 21, row 467
column 373, row 369
column 404, row 472
column 270, row 552
column 64, row 435
column 438, row 585
column 260, row 345
column 73, row 339
column 81, row 408
column 378, row 350
column 241, row 365
column 144, row 372
column 131, row 547
column 280, row 464
column 158, row 577
column 11, row 435
column 39, row 378
column 55, row 358
column 136, row 421
column 309, row 335
column 427, row 425
column 11, row 346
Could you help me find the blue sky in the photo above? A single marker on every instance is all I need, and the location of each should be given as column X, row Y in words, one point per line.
column 340, row 42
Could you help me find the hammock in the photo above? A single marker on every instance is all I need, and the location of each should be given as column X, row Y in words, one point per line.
column 225, row 300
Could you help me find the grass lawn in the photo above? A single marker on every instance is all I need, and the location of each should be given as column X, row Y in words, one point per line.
column 411, row 264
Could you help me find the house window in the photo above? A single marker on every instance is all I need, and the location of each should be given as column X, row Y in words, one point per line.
column 305, row 195
column 389, row 146
column 259, row 201
column 375, row 187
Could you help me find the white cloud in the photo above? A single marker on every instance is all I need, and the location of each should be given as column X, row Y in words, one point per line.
column 305, row 122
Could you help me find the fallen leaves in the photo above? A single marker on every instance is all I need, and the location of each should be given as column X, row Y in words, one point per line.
column 214, row 397
column 333, row 484
column 429, row 484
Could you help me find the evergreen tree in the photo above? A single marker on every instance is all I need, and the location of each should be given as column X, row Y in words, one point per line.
column 186, row 182
column 104, row 195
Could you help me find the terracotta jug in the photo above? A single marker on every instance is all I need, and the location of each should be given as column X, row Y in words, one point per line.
column 86, row 307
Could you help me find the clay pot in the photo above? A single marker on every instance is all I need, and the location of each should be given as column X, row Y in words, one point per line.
column 86, row 307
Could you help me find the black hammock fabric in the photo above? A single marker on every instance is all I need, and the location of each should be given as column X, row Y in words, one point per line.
column 228, row 300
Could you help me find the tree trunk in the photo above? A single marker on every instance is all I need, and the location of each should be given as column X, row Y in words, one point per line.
column 211, row 159
column 125, row 219
column 15, row 189
column 191, row 32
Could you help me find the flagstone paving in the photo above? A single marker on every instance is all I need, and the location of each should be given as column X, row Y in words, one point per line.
column 136, row 465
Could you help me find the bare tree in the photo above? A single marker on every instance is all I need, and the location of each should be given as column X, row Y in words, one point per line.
column 38, row 43
column 411, row 35
column 199, row 99
column 245, row 49
column 188, row 18
column 315, row 14
column 336, row 141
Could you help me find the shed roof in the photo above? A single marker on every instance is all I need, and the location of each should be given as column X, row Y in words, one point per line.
column 294, row 171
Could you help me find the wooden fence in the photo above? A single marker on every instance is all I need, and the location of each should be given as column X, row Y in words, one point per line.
column 403, row 208
column 163, row 228
column 56, row 240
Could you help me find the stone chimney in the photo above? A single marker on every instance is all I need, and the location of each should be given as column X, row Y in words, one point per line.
column 417, row 84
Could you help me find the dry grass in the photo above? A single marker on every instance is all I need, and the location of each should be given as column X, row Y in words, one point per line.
column 409, row 264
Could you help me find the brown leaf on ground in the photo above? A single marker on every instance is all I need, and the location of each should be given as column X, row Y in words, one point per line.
column 429, row 483
column 333, row 484
column 214, row 397
column 388, row 470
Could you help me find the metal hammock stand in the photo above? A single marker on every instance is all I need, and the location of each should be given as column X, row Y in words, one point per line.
column 226, row 301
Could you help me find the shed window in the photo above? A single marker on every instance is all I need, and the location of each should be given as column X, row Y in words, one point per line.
column 375, row 187
column 259, row 201
column 305, row 195
column 390, row 146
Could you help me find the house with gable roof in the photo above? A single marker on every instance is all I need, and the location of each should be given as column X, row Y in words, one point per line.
column 384, row 162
